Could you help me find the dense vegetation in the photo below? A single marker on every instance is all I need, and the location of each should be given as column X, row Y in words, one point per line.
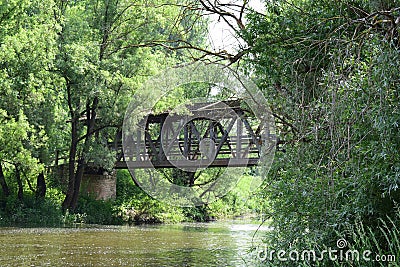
column 131, row 206
column 330, row 70
column 68, row 71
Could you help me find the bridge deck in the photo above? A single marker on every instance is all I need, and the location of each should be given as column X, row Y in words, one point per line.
column 236, row 141
column 170, row 164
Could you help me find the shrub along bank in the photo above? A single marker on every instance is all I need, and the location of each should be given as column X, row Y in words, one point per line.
column 131, row 206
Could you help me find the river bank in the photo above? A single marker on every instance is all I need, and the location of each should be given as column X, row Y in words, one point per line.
column 131, row 206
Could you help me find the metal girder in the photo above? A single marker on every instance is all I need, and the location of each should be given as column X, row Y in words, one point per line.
column 165, row 146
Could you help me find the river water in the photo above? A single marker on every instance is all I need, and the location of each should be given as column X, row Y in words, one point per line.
column 187, row 244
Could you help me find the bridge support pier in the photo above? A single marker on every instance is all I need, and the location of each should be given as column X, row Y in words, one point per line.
column 100, row 184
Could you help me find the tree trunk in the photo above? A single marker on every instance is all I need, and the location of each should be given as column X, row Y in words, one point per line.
column 191, row 178
column 19, row 182
column 3, row 183
column 78, row 179
column 40, row 186
column 72, row 150
column 74, row 185
column 71, row 165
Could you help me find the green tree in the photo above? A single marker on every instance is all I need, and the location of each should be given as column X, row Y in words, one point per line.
column 106, row 49
column 329, row 70
column 26, row 55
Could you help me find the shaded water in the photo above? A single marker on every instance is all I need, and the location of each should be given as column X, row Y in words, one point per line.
column 190, row 244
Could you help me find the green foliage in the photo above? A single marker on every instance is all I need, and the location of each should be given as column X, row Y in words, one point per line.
column 240, row 202
column 332, row 81
column 135, row 206
column 364, row 247
column 32, row 212
column 16, row 135
column 95, row 211
column 63, row 62
column 382, row 241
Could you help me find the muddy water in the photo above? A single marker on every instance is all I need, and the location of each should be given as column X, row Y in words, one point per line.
column 188, row 244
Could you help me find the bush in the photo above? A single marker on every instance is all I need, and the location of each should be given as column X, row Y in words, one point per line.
column 135, row 206
column 90, row 210
column 31, row 211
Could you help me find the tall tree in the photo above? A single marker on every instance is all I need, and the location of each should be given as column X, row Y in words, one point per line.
column 328, row 69
column 330, row 72
column 27, row 39
column 105, row 51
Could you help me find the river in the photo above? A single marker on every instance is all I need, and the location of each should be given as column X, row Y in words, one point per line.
column 187, row 244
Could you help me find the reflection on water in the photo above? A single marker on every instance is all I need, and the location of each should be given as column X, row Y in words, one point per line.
column 191, row 244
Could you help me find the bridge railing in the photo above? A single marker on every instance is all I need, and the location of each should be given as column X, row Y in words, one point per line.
column 189, row 138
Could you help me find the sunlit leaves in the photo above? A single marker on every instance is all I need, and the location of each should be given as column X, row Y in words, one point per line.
column 335, row 84
column 15, row 136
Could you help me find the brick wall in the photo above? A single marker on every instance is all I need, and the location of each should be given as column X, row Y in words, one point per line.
column 101, row 186
column 96, row 182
